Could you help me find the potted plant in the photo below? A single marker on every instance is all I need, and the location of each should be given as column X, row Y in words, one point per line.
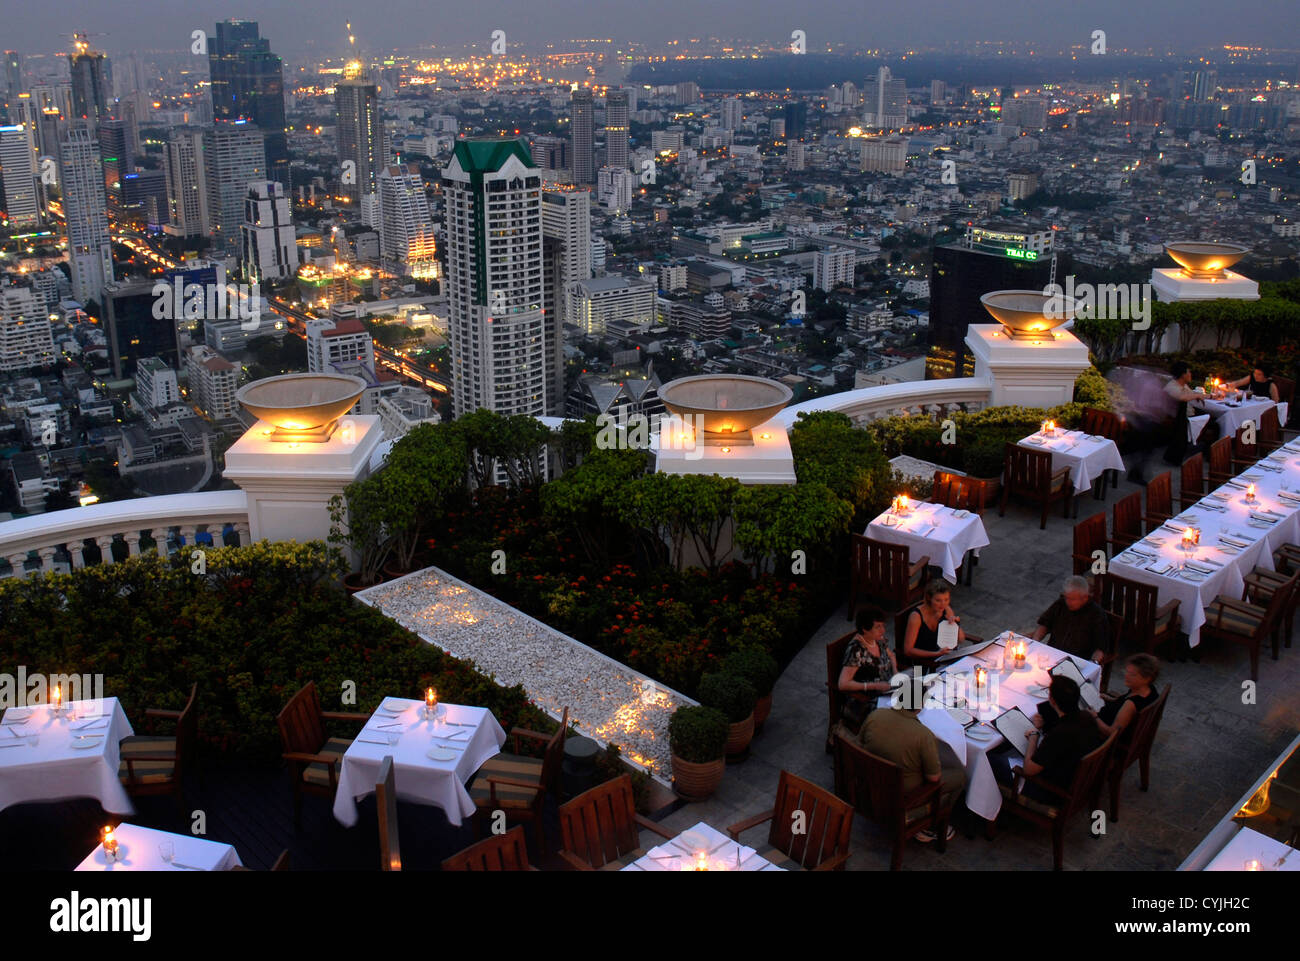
column 759, row 668
column 698, row 739
column 357, row 521
column 735, row 697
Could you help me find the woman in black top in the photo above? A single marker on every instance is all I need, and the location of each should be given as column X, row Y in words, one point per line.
column 1259, row 383
column 868, row 666
column 921, row 639
column 1140, row 673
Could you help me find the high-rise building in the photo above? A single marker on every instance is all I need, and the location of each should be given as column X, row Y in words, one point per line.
column 92, row 91
column 551, row 154
column 187, row 189
column 494, row 285
column 213, row 381
column 1028, row 112
column 406, row 241
column 833, row 267
column 938, row 92
column 594, row 303
column 18, row 177
column 884, row 154
column 886, row 97
column 115, row 153
column 155, row 383
column 234, row 156
column 581, row 126
column 248, row 84
column 14, row 84
column 340, row 347
column 144, row 199
column 566, row 247
column 616, row 128
column 134, row 333
column 615, row 187
column 732, row 113
column 25, row 339
column 1204, row 85
column 269, row 250
column 1021, row 184
column 687, row 93
column 796, row 119
column 85, row 209
column 363, row 151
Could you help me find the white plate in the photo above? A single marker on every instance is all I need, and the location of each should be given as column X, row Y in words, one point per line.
column 441, row 754
column 84, row 744
column 961, row 515
column 394, row 707
column 981, row 733
column 18, row 713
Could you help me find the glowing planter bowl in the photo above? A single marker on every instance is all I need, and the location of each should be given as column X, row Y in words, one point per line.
column 301, row 408
column 1205, row 259
column 725, row 403
column 1028, row 314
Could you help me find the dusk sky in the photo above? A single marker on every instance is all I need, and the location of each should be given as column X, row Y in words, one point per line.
column 384, row 24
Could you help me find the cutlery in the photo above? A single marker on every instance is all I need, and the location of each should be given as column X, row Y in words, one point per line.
column 185, row 867
column 453, row 746
column 372, row 740
column 85, row 737
column 89, row 724
column 22, row 743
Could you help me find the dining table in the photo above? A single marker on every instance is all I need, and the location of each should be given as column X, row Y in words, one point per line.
column 1235, row 534
column 1086, row 455
column 49, row 754
column 1230, row 413
column 146, row 849
column 931, row 530
column 961, row 716
column 433, row 758
column 1249, row 850
column 720, row 853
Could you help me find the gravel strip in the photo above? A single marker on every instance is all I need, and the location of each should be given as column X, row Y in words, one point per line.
column 608, row 701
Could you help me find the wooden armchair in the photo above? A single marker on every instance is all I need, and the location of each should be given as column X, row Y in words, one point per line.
column 157, row 765
column 1126, row 529
column 1246, row 623
column 1244, row 455
column 835, row 697
column 828, row 822
column 314, row 759
column 390, row 850
column 1191, row 481
column 1143, row 621
column 601, row 829
column 1028, row 474
column 1085, row 789
column 884, row 573
column 1269, row 436
column 1261, row 583
column 1160, row 501
column 1104, row 423
column 499, row 852
column 1136, row 747
column 1089, row 536
column 960, row 492
column 1221, row 462
column 874, row 786
column 518, row 784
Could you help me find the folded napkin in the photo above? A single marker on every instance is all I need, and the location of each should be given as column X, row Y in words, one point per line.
column 375, row 740
column 1217, row 508
column 1289, row 495
column 1160, row 567
column 1241, row 545
column 1203, row 567
column 1263, row 518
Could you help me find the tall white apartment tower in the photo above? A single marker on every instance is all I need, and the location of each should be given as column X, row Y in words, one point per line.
column 496, row 321
column 234, row 155
column 269, row 249
column 18, row 176
column 187, row 189
column 85, row 208
column 566, row 247
column 363, row 150
column 25, row 339
column 733, row 112
column 616, row 128
column 406, row 242
column 886, row 97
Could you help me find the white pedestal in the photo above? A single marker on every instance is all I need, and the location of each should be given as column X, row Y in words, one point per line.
column 289, row 486
column 1172, row 285
column 768, row 461
column 1027, row 373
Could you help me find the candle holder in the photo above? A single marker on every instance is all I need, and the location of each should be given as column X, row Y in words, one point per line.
column 1018, row 655
column 109, row 840
column 901, row 505
column 56, row 700
column 1252, row 865
column 430, row 704
column 1250, row 493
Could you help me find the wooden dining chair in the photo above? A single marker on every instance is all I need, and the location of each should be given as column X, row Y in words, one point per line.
column 1244, row 455
column 1250, row 620
column 1136, row 747
column 874, row 787
column 884, row 573
column 497, row 852
column 601, row 829
column 1089, row 537
column 823, row 845
column 151, row 765
column 1108, row 424
column 1160, row 501
column 1083, row 794
column 1143, row 622
column 1028, row 474
column 1268, row 437
column 1261, row 582
column 835, row 697
column 517, row 783
column 390, row 849
column 1220, row 462
column 1191, row 481
column 960, row 492
column 314, row 758
column 1126, row 528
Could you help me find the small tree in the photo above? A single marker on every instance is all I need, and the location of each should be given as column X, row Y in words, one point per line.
column 774, row 521
column 357, row 520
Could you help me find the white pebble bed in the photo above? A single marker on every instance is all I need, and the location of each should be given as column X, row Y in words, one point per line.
column 608, row 701
column 917, row 469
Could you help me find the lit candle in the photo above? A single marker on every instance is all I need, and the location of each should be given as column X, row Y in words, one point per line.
column 110, row 844
column 701, row 862
column 1189, row 541
column 430, row 702
column 56, row 699
column 1018, row 652
column 902, row 503
column 1252, row 865
column 1250, row 493
column 981, row 677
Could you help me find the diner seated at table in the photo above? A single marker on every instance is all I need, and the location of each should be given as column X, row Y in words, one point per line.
column 921, row 636
column 1062, row 747
column 868, row 665
column 1119, row 711
column 1258, row 383
column 1077, row 624
column 897, row 735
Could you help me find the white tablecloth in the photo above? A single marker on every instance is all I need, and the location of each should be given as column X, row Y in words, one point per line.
column 1249, row 845
column 1008, row 689
column 55, row 770
column 1231, row 418
column 724, row 854
column 419, row 779
column 1086, row 456
column 137, row 850
column 945, row 544
column 1233, row 521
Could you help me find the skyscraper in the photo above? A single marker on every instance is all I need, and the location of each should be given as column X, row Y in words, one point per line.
column 13, row 83
column 616, row 128
column 91, row 82
column 494, row 284
column 581, row 121
column 18, row 177
column 248, row 84
column 85, row 208
column 115, row 151
column 566, row 249
column 406, row 241
column 187, row 197
column 268, row 247
column 25, row 339
column 1204, row 84
column 234, row 156
column 796, row 119
column 732, row 112
column 886, row 97
column 363, row 151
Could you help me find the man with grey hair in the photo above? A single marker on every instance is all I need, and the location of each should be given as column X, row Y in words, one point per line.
column 1078, row 624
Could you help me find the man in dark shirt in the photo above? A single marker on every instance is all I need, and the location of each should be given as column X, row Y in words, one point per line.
column 1073, row 736
column 1077, row 623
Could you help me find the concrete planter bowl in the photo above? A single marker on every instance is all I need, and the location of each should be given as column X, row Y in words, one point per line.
column 1028, row 314
column 727, row 403
column 301, row 407
column 1203, row 258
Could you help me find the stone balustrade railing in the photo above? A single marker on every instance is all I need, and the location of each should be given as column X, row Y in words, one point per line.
column 921, row 397
column 108, row 532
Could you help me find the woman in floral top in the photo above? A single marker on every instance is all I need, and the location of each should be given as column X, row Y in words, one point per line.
column 868, row 666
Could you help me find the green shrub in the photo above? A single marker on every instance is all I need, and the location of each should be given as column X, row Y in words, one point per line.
column 731, row 694
column 698, row 734
column 756, row 666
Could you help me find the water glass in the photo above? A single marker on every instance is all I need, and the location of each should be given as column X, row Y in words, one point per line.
column 167, row 850
column 1043, row 660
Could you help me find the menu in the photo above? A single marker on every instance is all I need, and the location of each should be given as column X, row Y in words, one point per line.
column 1015, row 726
column 1089, row 696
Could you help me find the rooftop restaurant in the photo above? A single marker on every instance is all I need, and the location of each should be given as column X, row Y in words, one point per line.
column 1036, row 619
